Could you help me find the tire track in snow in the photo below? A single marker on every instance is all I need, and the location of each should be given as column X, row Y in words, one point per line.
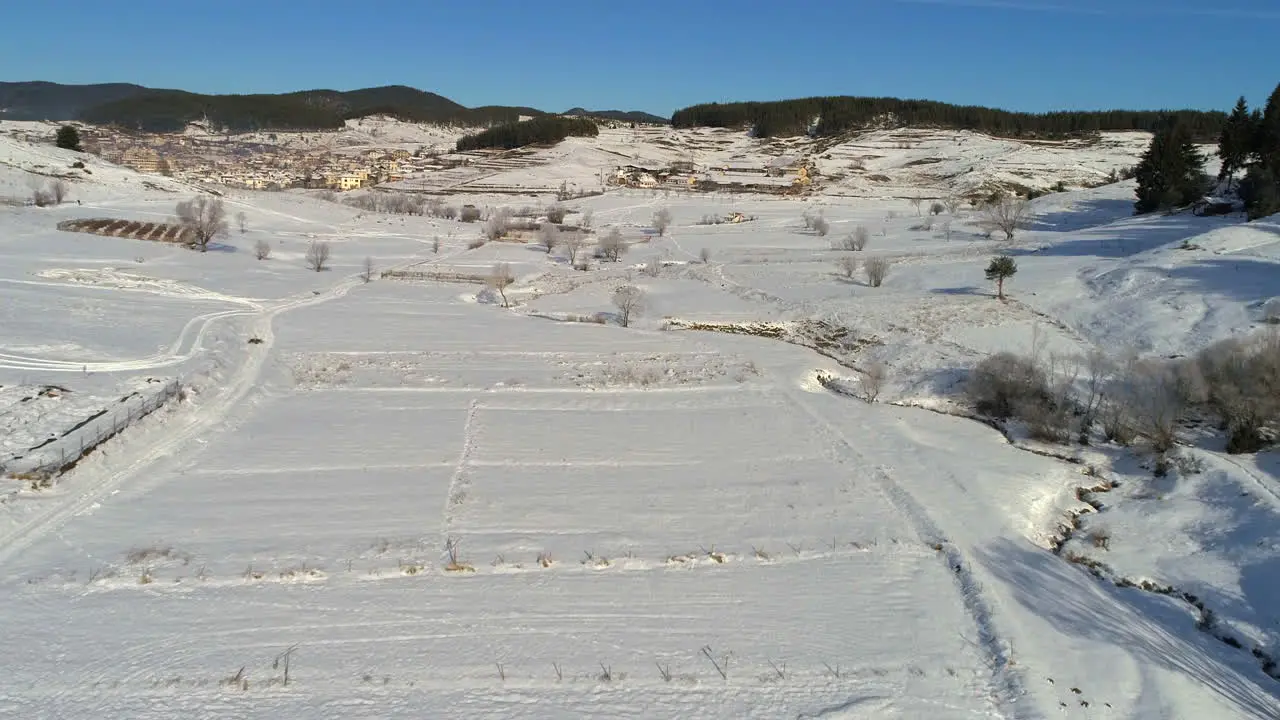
column 460, row 483
column 1009, row 684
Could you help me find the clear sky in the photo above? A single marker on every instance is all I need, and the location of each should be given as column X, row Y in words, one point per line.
column 659, row 55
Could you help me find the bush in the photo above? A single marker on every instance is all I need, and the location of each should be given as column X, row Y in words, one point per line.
column 612, row 246
column 876, row 268
column 498, row 223
column 847, row 265
column 262, row 250
column 469, row 214
column 821, row 226
column 1003, row 384
column 937, row 208
column 1242, row 387
column 555, row 214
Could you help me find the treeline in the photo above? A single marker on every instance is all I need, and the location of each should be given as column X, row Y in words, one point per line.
column 1171, row 172
column 836, row 115
column 548, row 129
column 171, row 110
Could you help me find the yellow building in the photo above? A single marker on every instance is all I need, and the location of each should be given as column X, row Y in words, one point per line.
column 351, row 181
column 142, row 159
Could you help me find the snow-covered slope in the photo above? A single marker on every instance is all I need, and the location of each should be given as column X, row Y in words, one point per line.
column 425, row 504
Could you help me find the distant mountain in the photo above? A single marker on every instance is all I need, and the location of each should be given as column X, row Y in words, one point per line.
column 636, row 116
column 141, row 108
column 50, row 101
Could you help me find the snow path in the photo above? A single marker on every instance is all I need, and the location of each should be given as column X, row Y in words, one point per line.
column 1010, row 687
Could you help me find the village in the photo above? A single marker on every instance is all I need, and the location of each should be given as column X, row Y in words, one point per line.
column 410, row 158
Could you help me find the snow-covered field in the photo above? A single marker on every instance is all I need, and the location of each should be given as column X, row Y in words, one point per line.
column 423, row 504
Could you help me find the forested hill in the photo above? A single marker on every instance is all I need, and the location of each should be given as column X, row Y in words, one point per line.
column 170, row 110
column 839, row 114
column 140, row 108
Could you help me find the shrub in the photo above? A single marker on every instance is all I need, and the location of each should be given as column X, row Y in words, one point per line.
column 876, row 268
column 861, row 236
column 1005, row 383
column 821, row 226
column 549, row 236
column 498, row 223
column 475, row 243
column 847, row 265
column 704, row 255
column 937, row 208
column 612, row 246
column 662, row 221
column 262, row 250
column 1242, row 387
column 555, row 214
column 469, row 214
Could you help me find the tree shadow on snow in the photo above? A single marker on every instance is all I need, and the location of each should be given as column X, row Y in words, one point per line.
column 1128, row 239
column 967, row 290
column 1154, row 629
column 1087, row 214
column 1240, row 279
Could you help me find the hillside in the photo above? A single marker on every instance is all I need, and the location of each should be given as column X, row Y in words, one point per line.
column 427, row 498
column 52, row 101
column 635, row 116
column 171, row 110
column 830, row 116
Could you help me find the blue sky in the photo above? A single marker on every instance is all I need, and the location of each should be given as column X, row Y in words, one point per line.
column 659, row 55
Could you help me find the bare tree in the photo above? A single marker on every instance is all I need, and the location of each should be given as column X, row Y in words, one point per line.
column 435, row 244
column 821, row 226
column 876, row 268
column 653, row 267
column 873, row 378
column 612, row 246
column 916, row 202
column 662, row 221
column 317, row 257
column 204, row 218
column 58, row 190
column 1008, row 215
column 549, row 236
column 861, row 236
column 572, row 243
column 847, row 265
column 497, row 224
column 587, row 215
column 366, row 273
column 629, row 300
column 242, row 221
column 262, row 250
column 953, row 203
column 500, row 278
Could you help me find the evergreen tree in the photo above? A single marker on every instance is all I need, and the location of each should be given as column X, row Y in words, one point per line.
column 1171, row 172
column 1236, row 142
column 1260, row 189
column 68, row 138
column 1002, row 267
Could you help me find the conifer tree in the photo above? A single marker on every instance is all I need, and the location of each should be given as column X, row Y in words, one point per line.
column 68, row 138
column 1171, row 172
column 1260, row 189
column 1236, row 142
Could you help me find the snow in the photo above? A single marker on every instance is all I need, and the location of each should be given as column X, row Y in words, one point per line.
column 619, row 499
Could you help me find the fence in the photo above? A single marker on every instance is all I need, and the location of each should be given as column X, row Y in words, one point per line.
column 61, row 453
column 449, row 277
